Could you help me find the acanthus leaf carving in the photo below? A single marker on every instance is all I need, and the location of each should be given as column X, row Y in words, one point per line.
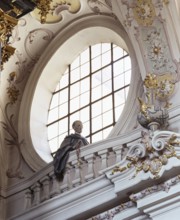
column 151, row 153
column 12, row 141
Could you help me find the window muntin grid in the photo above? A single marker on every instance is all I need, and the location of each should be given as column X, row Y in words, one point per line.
column 94, row 90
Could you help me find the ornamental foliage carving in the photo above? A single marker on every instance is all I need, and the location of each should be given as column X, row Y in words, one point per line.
column 144, row 12
column 50, row 11
column 151, row 153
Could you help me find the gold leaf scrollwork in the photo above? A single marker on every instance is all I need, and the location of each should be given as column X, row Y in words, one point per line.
column 154, row 160
column 49, row 11
column 44, row 8
column 7, row 23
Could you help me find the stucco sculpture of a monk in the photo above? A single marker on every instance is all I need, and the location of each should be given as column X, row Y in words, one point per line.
column 70, row 143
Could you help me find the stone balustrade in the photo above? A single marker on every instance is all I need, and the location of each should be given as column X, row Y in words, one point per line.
column 94, row 158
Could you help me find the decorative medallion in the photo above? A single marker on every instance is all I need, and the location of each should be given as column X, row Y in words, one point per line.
column 144, row 12
column 166, row 85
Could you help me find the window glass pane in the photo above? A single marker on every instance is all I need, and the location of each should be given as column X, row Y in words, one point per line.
column 75, row 63
column 106, row 47
column 52, row 130
column 63, row 125
column 119, row 82
column 85, row 85
column 75, row 75
column 127, row 63
column 117, row 53
column 96, row 137
column 118, row 67
column 63, row 96
column 84, row 114
column 96, row 108
column 85, row 69
column 118, row 111
column 96, row 79
column 106, row 58
column 107, row 131
column 106, row 88
column 96, row 63
column 107, row 104
column 95, row 50
column 73, row 118
column 86, row 129
column 64, row 80
column 106, row 74
column 74, row 90
column 61, row 138
column 96, row 123
column 127, row 77
column 53, row 115
column 84, row 99
column 74, row 99
column 96, row 93
column 107, row 118
column 119, row 97
column 53, row 144
column 84, row 57
column 54, row 101
column 63, row 109
column 74, row 104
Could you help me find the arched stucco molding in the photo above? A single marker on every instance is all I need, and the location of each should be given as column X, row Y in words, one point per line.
column 63, row 49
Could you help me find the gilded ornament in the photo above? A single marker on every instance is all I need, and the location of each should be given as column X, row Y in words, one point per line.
column 155, row 166
column 44, row 7
column 162, row 145
column 7, row 23
column 150, row 81
column 6, row 52
column 144, row 12
column 166, row 86
column 49, row 11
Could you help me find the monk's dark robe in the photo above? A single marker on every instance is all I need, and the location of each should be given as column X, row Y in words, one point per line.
column 62, row 154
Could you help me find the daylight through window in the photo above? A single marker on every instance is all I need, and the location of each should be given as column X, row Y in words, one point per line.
column 94, row 90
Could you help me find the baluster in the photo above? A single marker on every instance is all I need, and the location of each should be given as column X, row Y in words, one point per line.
column 55, row 189
column 36, row 189
column 103, row 156
column 111, row 160
column 97, row 165
column 76, row 180
column 82, row 171
column 28, row 199
column 45, row 181
column 118, row 151
column 69, row 175
column 90, row 167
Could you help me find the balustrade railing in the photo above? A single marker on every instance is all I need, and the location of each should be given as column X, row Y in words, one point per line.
column 94, row 158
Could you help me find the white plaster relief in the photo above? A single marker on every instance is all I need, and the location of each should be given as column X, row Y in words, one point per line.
column 36, row 41
column 155, row 47
column 100, row 6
